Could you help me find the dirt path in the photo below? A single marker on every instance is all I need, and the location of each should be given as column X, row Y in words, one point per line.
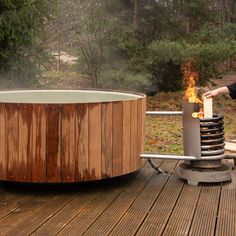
column 227, row 79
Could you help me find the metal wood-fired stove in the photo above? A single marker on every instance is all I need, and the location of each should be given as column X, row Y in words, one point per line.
column 203, row 139
column 203, row 147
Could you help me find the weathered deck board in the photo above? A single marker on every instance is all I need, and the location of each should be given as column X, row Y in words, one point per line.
column 180, row 225
column 44, row 212
column 5, row 196
column 107, row 201
column 226, row 223
column 144, row 203
column 13, row 203
column 108, row 219
column 69, row 212
column 205, row 216
column 155, row 222
column 134, row 216
column 23, row 214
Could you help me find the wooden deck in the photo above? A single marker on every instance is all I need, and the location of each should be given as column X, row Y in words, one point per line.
column 144, row 203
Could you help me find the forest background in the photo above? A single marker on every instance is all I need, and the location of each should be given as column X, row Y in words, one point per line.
column 120, row 44
column 138, row 45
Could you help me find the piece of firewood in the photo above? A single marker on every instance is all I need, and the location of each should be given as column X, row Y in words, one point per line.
column 207, row 107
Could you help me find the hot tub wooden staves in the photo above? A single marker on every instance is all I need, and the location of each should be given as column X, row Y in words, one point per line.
column 57, row 143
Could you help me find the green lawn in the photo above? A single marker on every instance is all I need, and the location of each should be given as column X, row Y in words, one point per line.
column 164, row 133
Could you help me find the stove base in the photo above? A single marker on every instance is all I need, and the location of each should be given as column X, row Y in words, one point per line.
column 204, row 175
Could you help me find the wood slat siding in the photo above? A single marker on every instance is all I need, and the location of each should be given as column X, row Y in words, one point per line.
column 106, row 140
column 82, row 164
column 12, row 138
column 53, row 144
column 134, row 155
column 117, row 137
column 95, row 144
column 3, row 160
column 39, row 143
column 144, row 108
column 140, row 130
column 25, row 142
column 71, row 142
column 68, row 154
column 126, row 137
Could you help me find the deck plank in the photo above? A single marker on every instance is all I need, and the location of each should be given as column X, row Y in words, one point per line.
column 226, row 223
column 68, row 213
column 205, row 216
column 155, row 222
column 27, row 221
column 82, row 221
column 13, row 204
column 5, row 196
column 134, row 216
column 22, row 213
column 144, row 203
column 113, row 201
column 185, row 207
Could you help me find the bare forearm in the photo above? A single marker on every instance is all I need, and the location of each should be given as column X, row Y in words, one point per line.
column 213, row 93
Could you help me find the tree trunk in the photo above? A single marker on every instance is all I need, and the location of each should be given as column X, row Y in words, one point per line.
column 233, row 17
column 94, row 78
column 188, row 25
column 59, row 61
column 222, row 12
column 136, row 17
column 59, row 50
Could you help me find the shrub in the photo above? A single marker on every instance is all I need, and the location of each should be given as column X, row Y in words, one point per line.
column 124, row 80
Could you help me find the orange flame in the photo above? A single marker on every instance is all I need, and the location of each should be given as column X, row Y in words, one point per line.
column 190, row 78
column 199, row 114
column 190, row 95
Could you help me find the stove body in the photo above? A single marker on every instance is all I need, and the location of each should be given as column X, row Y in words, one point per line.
column 203, row 139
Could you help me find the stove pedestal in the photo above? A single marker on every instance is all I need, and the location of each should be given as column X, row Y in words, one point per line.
column 195, row 175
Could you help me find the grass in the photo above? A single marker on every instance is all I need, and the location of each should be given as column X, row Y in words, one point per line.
column 164, row 133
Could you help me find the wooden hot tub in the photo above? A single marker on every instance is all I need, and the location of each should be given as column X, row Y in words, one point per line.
column 57, row 136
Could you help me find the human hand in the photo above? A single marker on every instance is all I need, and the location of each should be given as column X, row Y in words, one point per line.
column 210, row 94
